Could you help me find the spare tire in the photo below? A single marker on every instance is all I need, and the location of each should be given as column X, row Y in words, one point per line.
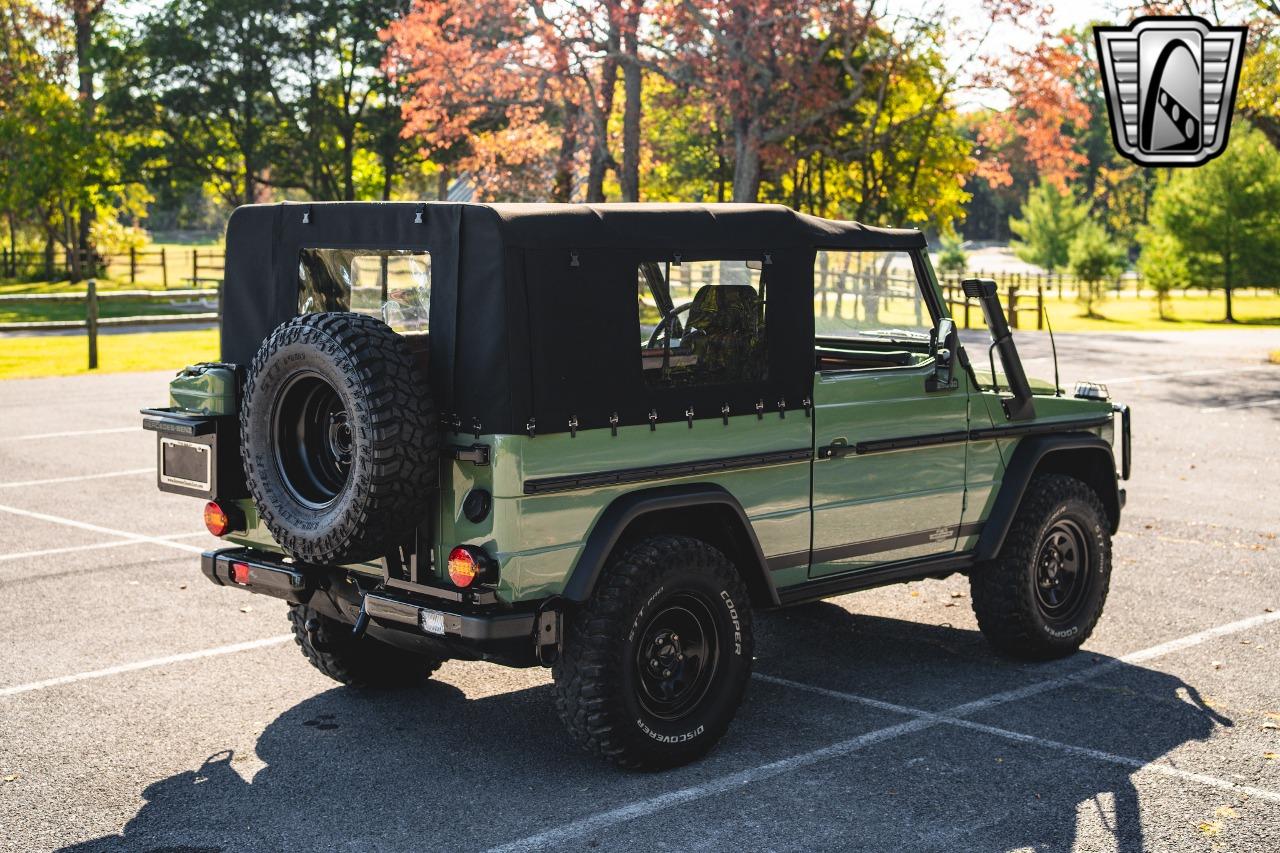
column 338, row 438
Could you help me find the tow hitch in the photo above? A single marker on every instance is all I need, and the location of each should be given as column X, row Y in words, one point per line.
column 312, row 627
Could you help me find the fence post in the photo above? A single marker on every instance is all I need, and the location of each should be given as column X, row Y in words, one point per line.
column 133, row 265
column 1013, row 306
column 1040, row 307
column 91, row 322
column 195, row 267
column 164, row 270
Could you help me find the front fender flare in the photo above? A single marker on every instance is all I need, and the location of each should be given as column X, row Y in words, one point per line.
column 1028, row 457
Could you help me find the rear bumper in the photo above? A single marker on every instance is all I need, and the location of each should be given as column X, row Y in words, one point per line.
column 416, row 621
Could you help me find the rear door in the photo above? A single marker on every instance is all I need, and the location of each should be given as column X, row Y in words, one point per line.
column 889, row 472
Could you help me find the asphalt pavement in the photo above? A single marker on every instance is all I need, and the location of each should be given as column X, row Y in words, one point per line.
column 142, row 708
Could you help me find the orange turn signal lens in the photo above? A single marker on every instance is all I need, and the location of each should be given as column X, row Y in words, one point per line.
column 216, row 519
column 463, row 567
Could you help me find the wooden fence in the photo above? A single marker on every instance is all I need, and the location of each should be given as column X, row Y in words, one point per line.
column 164, row 267
column 92, row 322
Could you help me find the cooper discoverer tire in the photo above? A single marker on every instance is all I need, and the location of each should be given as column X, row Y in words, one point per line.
column 338, row 438
column 1041, row 598
column 655, row 664
column 365, row 662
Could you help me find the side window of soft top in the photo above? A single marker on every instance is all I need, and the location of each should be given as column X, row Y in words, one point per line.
column 701, row 322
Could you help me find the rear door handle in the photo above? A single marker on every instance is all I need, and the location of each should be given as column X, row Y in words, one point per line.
column 837, row 448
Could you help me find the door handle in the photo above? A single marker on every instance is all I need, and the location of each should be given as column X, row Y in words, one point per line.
column 837, row 448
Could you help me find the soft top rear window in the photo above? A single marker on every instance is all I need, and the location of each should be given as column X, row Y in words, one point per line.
column 391, row 284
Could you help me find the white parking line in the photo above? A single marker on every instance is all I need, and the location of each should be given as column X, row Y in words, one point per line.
column 95, row 528
column 131, row 472
column 1209, row 371
column 734, row 781
column 1252, row 404
column 48, row 552
column 143, row 664
column 1034, row 740
column 69, row 433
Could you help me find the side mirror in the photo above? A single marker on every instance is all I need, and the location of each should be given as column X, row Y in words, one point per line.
column 942, row 343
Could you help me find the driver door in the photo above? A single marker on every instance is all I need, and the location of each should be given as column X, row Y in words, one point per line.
column 890, row 441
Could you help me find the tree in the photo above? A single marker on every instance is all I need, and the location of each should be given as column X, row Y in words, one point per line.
column 952, row 260
column 1094, row 257
column 1050, row 219
column 1162, row 266
column 342, row 102
column 781, row 67
column 1221, row 217
column 520, row 86
column 206, row 75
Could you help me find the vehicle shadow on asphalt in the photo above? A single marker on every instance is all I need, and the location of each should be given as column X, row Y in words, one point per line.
column 396, row 770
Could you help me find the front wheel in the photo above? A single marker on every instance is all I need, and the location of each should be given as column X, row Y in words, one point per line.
column 1041, row 598
column 654, row 666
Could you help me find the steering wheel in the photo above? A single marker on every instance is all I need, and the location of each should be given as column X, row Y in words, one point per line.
column 666, row 323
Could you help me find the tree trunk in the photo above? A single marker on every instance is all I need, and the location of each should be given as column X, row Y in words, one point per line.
column 442, row 183
column 746, row 161
column 85, row 11
column 1226, row 285
column 348, row 164
column 601, row 160
column 631, row 85
column 388, row 176
column 562, row 185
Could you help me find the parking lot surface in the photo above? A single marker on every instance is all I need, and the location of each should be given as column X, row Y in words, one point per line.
column 142, row 708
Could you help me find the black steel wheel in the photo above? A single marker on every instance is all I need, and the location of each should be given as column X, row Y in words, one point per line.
column 314, row 442
column 1062, row 574
column 1042, row 596
column 654, row 665
column 677, row 656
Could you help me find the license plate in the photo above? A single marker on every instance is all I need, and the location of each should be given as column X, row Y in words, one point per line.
column 185, row 463
column 432, row 621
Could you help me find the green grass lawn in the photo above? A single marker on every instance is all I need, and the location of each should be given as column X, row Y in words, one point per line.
column 1133, row 314
column 66, row 355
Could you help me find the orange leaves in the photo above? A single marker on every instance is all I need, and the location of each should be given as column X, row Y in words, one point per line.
column 1047, row 115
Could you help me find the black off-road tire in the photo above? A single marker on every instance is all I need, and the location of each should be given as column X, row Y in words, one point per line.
column 1013, row 594
column 648, row 592
column 365, row 662
column 379, row 419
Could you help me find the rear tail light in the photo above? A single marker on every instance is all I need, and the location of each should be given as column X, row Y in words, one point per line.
column 469, row 565
column 216, row 519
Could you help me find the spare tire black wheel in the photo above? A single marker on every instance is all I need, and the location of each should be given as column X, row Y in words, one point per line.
column 338, row 438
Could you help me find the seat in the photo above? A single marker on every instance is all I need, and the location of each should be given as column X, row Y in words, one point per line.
column 725, row 330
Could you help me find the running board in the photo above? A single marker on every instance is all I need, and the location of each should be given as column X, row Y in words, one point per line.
column 901, row 572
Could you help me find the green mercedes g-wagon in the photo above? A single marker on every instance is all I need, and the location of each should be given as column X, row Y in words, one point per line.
column 600, row 437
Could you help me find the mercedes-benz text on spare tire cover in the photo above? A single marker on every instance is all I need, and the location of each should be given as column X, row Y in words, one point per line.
column 338, row 438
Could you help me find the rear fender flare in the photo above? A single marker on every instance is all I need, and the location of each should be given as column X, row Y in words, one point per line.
column 624, row 511
column 1081, row 454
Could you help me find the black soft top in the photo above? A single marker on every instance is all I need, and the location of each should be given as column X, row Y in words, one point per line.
column 533, row 306
column 724, row 226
